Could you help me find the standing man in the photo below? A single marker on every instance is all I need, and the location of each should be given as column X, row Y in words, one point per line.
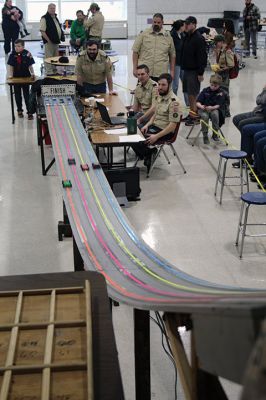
column 93, row 68
column 167, row 113
column 94, row 24
column 193, row 62
column 145, row 93
column 77, row 31
column 155, row 48
column 251, row 15
column 52, row 35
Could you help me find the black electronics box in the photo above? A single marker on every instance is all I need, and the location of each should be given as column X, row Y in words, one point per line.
column 127, row 178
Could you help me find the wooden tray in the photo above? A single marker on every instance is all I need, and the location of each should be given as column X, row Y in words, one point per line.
column 46, row 344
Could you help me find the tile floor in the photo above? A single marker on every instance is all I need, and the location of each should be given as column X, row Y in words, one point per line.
column 177, row 215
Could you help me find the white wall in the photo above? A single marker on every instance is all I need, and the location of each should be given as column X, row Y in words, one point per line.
column 138, row 22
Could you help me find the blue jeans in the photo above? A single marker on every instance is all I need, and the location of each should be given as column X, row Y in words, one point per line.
column 90, row 88
column 260, row 150
column 246, row 118
column 247, row 137
column 179, row 73
column 253, row 35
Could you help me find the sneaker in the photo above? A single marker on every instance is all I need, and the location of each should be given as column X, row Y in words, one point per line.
column 20, row 114
column 27, row 33
column 255, row 57
column 206, row 140
column 215, row 137
column 30, row 117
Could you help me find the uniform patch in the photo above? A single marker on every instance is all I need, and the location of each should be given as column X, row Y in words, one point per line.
column 175, row 115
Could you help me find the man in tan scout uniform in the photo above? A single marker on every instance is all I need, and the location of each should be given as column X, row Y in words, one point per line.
column 155, row 48
column 52, row 35
column 93, row 68
column 145, row 93
column 94, row 24
column 167, row 112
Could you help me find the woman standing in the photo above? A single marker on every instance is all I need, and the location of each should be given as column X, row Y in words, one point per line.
column 229, row 33
column 9, row 25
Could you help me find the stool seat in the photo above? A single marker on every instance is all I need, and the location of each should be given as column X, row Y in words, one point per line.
column 233, row 154
column 258, row 198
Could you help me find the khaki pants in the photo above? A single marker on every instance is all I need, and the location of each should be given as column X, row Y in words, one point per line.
column 50, row 50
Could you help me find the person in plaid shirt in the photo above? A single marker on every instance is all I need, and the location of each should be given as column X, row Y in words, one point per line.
column 251, row 16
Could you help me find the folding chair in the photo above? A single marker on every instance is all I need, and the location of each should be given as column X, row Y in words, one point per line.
column 197, row 136
column 160, row 146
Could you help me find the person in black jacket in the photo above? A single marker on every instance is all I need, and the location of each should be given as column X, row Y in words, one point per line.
column 177, row 33
column 9, row 25
column 193, row 62
column 52, row 35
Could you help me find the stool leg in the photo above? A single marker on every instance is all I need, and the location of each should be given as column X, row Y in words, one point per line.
column 218, row 176
column 241, row 176
column 239, row 223
column 222, row 182
column 247, row 180
column 244, row 229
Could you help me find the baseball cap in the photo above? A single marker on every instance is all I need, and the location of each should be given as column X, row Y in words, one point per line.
column 216, row 79
column 190, row 20
column 93, row 5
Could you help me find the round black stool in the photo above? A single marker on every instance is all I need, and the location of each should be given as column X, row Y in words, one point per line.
column 221, row 172
column 248, row 199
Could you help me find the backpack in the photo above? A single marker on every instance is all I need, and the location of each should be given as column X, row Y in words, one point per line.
column 234, row 71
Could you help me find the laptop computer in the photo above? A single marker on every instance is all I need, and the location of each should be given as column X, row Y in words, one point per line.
column 106, row 117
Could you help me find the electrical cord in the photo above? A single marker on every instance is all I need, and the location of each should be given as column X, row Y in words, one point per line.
column 166, row 346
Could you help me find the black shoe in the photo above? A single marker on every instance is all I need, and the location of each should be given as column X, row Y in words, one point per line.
column 192, row 121
column 27, row 33
column 264, row 186
column 22, row 35
column 215, row 137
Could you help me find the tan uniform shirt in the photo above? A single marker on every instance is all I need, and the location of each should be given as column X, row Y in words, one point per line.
column 43, row 26
column 96, row 71
column 154, row 50
column 226, row 59
column 145, row 95
column 95, row 24
column 168, row 109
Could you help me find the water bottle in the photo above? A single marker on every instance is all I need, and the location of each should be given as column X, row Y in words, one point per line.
column 131, row 123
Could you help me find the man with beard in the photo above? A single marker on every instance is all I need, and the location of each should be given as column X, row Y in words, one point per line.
column 167, row 112
column 93, row 69
column 155, row 48
column 251, row 16
column 77, row 31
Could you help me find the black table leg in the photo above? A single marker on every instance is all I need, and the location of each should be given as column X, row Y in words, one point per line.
column 142, row 354
column 12, row 103
column 78, row 260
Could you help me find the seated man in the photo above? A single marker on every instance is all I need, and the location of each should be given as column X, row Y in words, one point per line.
column 145, row 93
column 252, row 117
column 77, row 31
column 260, row 157
column 247, row 140
column 167, row 113
column 210, row 105
column 93, row 69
